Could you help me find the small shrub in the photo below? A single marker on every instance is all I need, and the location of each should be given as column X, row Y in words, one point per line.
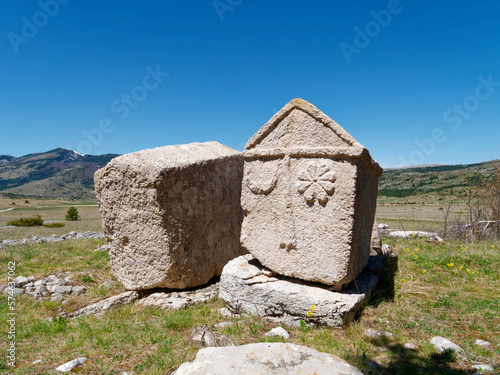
column 87, row 279
column 72, row 214
column 54, row 225
column 34, row 221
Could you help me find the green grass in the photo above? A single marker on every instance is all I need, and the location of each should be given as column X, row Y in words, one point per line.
column 414, row 305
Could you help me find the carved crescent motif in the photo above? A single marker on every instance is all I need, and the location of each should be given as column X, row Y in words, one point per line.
column 259, row 186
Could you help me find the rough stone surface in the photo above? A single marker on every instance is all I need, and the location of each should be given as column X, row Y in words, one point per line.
column 265, row 358
column 245, row 287
column 278, row 331
column 441, row 344
column 178, row 300
column 104, row 305
column 21, row 281
column 172, row 215
column 376, row 242
column 309, row 196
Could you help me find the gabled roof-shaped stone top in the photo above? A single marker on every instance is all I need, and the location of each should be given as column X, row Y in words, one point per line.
column 301, row 129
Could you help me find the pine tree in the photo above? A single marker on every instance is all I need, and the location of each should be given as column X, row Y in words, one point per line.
column 72, row 214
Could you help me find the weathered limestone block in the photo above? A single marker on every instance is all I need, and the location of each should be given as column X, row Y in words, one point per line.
column 309, row 197
column 265, row 358
column 248, row 287
column 172, row 215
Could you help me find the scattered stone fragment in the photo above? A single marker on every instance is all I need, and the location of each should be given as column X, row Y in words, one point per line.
column 265, row 358
column 13, row 291
column 61, row 289
column 225, row 312
column 246, row 289
column 104, row 305
column 68, row 366
column 482, row 343
column 304, row 175
column 377, row 335
column 78, row 289
column 223, row 324
column 484, row 368
column 181, row 299
column 376, row 241
column 278, row 331
column 21, row 281
column 410, row 346
column 172, row 214
column 56, row 297
column 411, row 234
column 441, row 344
column 386, row 249
column 204, row 336
column 37, row 361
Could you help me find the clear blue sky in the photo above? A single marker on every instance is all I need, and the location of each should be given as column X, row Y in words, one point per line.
column 403, row 77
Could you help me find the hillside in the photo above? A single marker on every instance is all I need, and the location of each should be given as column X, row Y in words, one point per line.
column 441, row 180
column 57, row 174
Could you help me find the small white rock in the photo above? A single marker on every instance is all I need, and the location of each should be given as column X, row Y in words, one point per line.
column 482, row 343
column 377, row 335
column 441, row 344
column 410, row 346
column 483, row 368
column 225, row 312
column 278, row 331
column 68, row 366
column 223, row 324
column 37, row 361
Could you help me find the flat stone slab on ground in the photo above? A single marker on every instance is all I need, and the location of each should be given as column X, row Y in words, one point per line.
column 245, row 287
column 180, row 299
column 265, row 358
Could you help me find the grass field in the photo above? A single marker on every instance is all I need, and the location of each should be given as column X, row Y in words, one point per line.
column 449, row 290
column 50, row 211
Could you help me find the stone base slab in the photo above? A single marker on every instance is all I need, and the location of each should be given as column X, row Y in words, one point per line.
column 248, row 287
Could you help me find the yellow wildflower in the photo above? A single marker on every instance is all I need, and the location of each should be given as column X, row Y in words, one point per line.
column 450, row 265
column 311, row 310
column 468, row 271
column 407, row 250
column 461, row 267
column 415, row 257
column 424, row 271
column 417, row 250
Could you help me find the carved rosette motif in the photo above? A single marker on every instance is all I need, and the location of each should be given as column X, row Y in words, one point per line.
column 316, row 182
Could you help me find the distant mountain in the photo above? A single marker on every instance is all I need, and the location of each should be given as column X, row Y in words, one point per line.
column 444, row 179
column 55, row 174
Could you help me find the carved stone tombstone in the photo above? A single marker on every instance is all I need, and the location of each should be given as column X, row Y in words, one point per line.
column 309, row 197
